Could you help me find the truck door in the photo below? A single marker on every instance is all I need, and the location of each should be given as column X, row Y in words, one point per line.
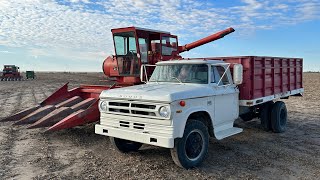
column 226, row 107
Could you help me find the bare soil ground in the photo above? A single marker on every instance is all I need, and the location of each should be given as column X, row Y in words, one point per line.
column 79, row 153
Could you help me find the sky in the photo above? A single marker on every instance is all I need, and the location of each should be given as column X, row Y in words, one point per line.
column 74, row 35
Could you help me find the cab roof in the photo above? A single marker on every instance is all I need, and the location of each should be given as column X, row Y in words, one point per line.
column 133, row 28
column 191, row 61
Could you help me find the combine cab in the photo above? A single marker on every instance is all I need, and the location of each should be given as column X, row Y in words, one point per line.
column 10, row 73
column 133, row 47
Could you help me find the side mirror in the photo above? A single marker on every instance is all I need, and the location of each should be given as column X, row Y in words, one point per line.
column 237, row 74
column 143, row 73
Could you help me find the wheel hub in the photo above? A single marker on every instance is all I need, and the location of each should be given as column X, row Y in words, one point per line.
column 194, row 145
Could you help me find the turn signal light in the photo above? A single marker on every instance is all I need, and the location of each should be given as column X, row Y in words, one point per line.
column 182, row 103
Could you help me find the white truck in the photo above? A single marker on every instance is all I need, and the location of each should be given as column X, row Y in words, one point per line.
column 182, row 105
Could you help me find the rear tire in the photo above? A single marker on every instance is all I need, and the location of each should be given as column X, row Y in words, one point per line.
column 125, row 146
column 279, row 117
column 265, row 116
column 190, row 150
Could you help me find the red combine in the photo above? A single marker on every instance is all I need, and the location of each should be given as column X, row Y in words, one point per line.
column 10, row 73
column 133, row 47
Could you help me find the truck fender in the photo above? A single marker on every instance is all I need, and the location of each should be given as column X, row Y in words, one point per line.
column 180, row 120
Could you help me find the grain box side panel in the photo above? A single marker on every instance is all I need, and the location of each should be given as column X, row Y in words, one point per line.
column 267, row 76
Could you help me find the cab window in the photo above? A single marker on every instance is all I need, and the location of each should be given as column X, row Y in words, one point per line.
column 218, row 74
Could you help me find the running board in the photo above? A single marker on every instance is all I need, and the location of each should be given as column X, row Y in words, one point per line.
column 227, row 132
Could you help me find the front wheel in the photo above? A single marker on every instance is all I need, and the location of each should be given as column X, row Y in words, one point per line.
column 190, row 150
column 125, row 146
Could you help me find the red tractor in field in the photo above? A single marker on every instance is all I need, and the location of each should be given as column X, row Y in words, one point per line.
column 133, row 47
column 10, row 73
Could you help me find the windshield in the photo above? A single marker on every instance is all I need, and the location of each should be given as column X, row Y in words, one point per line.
column 125, row 43
column 181, row 73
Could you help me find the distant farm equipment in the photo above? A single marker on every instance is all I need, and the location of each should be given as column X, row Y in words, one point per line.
column 30, row 75
column 10, row 73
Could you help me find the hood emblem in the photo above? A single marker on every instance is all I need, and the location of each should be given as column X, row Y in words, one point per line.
column 131, row 96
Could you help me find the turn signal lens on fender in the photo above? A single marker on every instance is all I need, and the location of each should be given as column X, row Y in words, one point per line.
column 182, row 103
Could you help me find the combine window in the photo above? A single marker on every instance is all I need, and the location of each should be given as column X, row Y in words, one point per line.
column 126, row 52
column 143, row 50
column 168, row 45
column 125, row 43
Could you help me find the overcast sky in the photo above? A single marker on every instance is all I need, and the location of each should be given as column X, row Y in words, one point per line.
column 74, row 35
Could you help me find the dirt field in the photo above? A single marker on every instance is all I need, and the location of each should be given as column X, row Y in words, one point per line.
column 79, row 153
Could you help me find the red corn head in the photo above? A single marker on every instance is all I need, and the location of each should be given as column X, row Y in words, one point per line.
column 63, row 109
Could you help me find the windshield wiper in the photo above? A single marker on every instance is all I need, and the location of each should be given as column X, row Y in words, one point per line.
column 176, row 79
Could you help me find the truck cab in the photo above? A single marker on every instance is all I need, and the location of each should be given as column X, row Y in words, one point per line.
column 182, row 104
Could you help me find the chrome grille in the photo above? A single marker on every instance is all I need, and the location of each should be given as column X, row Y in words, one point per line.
column 134, row 108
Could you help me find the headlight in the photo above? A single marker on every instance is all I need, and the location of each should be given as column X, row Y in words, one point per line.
column 164, row 111
column 103, row 105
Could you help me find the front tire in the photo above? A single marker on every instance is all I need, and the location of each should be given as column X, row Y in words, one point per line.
column 279, row 117
column 190, row 150
column 125, row 146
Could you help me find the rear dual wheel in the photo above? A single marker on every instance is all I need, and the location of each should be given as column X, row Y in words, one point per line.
column 265, row 116
column 274, row 117
column 279, row 117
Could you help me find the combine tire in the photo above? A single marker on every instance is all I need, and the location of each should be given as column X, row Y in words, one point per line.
column 190, row 150
column 279, row 117
column 265, row 116
column 125, row 146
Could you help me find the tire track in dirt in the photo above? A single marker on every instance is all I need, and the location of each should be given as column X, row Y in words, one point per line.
column 7, row 143
column 29, row 148
column 51, row 161
column 34, row 96
column 34, row 148
column 2, row 108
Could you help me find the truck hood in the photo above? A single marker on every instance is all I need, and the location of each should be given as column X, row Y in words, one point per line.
column 159, row 92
